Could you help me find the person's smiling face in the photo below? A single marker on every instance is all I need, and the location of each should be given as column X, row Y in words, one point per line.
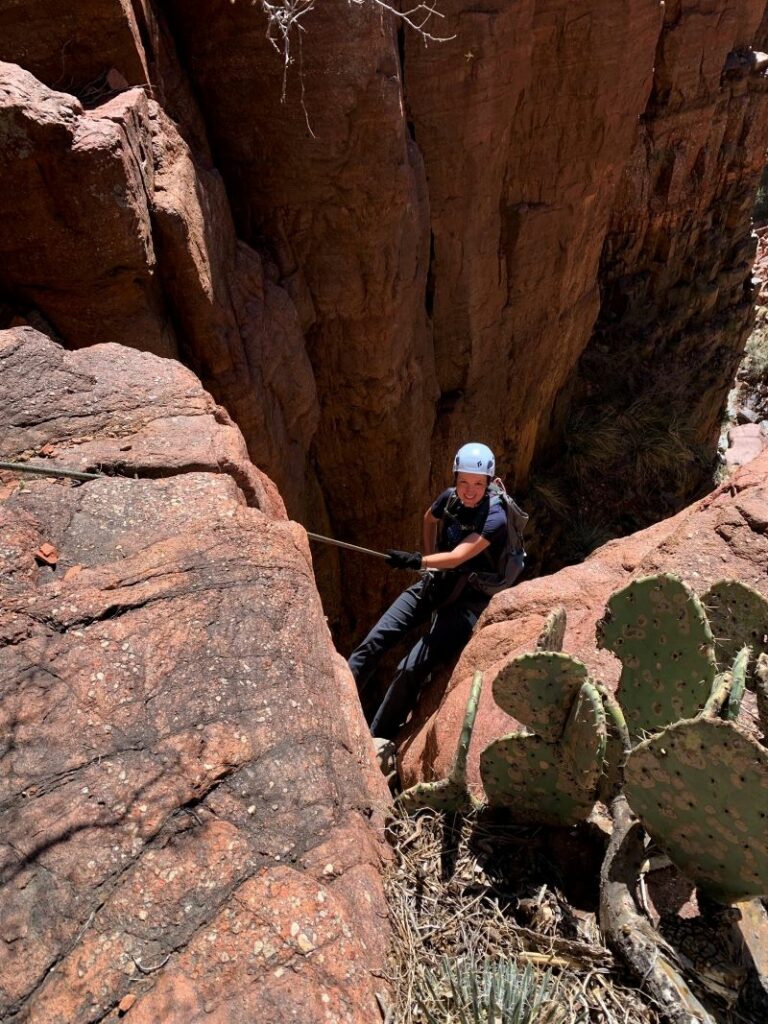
column 471, row 488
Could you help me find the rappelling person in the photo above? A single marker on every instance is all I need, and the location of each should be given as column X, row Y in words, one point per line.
column 473, row 549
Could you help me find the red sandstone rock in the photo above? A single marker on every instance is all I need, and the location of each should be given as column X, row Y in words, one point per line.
column 70, row 47
column 150, row 258
column 722, row 536
column 526, row 120
column 78, row 184
column 241, row 332
column 439, row 239
column 676, row 265
column 183, row 752
column 337, row 186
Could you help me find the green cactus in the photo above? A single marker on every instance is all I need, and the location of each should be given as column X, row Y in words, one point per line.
column 551, row 777
column 451, row 793
column 701, row 790
column 617, row 748
column 539, row 689
column 738, row 685
column 738, row 617
column 658, row 629
column 552, row 635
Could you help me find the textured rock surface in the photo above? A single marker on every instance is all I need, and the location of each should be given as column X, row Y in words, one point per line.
column 526, row 121
column 745, row 442
column 674, row 273
column 188, row 787
column 336, row 189
column 127, row 239
column 437, row 230
column 722, row 536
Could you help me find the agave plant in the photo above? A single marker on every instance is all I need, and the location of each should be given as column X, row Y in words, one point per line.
column 490, row 991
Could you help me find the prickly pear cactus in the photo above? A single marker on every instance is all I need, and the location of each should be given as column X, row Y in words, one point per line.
column 582, row 746
column 700, row 788
column 451, row 793
column 539, row 689
column 552, row 636
column 657, row 627
column 551, row 777
column 738, row 617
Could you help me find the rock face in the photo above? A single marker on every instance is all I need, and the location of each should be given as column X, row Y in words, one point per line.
column 190, row 803
column 722, row 536
column 674, row 274
column 167, row 274
column 419, row 246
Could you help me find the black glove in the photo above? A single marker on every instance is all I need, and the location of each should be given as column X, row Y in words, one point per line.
column 404, row 559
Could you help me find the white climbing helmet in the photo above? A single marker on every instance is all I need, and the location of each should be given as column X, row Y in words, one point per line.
column 474, row 458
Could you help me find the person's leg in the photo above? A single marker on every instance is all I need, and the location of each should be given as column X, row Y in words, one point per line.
column 411, row 608
column 450, row 632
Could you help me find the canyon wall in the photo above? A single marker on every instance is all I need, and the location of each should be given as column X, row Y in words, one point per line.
column 388, row 247
column 191, row 815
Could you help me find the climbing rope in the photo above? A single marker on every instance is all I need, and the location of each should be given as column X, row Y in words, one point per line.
column 26, row 467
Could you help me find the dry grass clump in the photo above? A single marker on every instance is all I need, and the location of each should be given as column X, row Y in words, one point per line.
column 461, row 955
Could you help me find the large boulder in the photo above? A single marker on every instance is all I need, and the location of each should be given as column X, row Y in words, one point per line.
column 190, row 808
column 721, row 536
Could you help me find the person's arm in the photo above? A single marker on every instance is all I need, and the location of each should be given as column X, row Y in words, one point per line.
column 430, row 531
column 469, row 547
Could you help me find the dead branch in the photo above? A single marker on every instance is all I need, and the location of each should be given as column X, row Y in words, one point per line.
column 630, row 934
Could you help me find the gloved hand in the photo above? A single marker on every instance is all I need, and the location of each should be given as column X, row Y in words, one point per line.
column 404, row 559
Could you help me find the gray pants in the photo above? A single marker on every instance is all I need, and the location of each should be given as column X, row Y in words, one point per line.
column 448, row 634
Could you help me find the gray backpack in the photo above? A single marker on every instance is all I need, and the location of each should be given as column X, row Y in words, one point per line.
column 512, row 559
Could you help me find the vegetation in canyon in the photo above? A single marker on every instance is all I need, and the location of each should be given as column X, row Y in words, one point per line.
column 481, row 867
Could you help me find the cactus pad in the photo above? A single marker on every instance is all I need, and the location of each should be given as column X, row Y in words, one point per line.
column 701, row 790
column 583, row 742
column 657, row 627
column 539, row 690
column 552, row 635
column 738, row 616
column 452, row 793
column 553, row 783
column 523, row 774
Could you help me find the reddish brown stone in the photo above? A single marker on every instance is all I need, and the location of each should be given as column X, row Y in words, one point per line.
column 71, row 47
column 78, row 185
column 183, row 749
column 526, row 120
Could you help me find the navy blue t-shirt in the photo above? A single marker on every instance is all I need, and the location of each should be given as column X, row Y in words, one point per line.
column 488, row 519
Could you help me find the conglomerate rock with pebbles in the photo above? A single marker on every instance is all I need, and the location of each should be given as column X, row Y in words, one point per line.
column 190, row 805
